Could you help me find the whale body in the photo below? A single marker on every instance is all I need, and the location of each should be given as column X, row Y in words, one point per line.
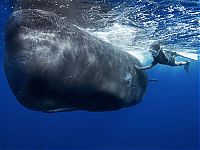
column 52, row 65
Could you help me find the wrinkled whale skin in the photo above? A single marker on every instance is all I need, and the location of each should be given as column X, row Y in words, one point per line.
column 52, row 65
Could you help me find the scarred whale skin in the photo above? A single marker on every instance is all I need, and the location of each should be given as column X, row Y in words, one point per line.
column 52, row 65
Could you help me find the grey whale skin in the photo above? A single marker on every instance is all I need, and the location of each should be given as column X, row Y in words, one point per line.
column 52, row 65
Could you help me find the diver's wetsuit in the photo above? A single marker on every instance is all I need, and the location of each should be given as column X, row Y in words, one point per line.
column 166, row 58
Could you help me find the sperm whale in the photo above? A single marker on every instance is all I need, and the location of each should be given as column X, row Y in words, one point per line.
column 52, row 65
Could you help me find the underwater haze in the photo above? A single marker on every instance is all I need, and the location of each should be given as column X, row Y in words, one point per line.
column 168, row 116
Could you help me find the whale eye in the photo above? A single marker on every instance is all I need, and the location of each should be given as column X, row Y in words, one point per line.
column 128, row 79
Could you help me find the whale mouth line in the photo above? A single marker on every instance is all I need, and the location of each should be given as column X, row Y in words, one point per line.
column 60, row 110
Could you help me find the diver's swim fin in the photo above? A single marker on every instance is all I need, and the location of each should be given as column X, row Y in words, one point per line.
column 187, row 67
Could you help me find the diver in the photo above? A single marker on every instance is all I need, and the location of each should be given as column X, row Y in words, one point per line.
column 164, row 57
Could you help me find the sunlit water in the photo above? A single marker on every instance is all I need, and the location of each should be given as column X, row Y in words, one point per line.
column 133, row 26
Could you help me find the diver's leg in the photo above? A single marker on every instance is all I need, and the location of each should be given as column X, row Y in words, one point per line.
column 185, row 63
column 180, row 63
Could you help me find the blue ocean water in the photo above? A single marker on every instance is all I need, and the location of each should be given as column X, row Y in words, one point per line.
column 168, row 116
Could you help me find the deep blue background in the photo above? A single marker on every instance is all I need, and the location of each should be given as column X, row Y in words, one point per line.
column 168, row 117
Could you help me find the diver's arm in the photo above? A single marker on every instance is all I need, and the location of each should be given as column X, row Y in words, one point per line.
column 145, row 67
column 173, row 54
